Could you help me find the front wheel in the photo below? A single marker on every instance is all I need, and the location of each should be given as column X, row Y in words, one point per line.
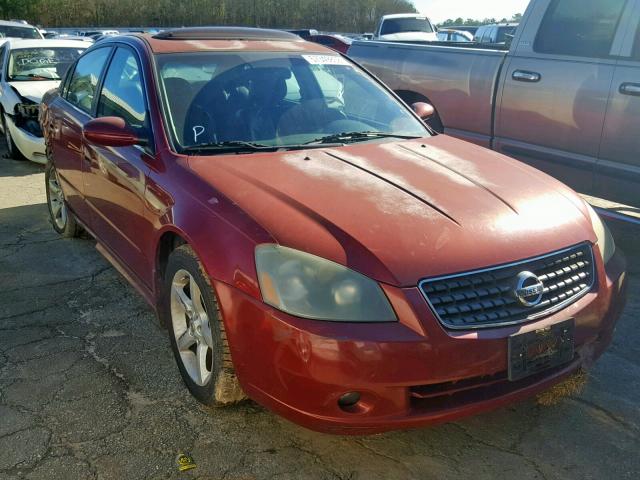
column 12, row 150
column 196, row 331
column 62, row 219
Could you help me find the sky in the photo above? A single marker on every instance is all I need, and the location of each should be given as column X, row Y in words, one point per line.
column 440, row 10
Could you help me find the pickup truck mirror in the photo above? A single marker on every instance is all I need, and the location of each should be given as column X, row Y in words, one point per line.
column 110, row 132
column 423, row 110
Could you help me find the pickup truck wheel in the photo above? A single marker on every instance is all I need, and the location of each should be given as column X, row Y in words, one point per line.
column 12, row 150
column 196, row 330
column 62, row 219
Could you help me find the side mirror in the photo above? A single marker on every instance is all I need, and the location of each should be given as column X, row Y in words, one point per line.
column 110, row 132
column 423, row 110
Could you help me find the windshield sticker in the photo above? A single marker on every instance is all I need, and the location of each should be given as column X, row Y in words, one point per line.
column 197, row 131
column 36, row 61
column 325, row 60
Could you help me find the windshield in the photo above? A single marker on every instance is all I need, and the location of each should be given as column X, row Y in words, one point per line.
column 275, row 99
column 29, row 64
column 19, row 32
column 399, row 25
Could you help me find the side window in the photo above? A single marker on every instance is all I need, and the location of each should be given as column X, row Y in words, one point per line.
column 293, row 89
column 84, row 81
column 122, row 94
column 636, row 45
column 581, row 28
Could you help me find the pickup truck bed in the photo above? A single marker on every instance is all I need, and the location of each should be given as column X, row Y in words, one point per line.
column 565, row 98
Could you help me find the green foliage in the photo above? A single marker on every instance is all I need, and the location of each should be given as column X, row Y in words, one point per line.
column 330, row 15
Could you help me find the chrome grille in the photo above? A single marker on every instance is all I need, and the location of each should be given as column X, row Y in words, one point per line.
column 485, row 298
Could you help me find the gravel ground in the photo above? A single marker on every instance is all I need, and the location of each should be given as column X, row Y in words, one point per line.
column 89, row 388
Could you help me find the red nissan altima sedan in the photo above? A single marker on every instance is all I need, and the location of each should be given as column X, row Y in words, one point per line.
column 309, row 243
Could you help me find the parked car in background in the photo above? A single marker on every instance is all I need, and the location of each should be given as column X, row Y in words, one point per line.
column 320, row 249
column 30, row 68
column 565, row 98
column 472, row 29
column 405, row 27
column 18, row 30
column 304, row 32
column 449, row 35
column 337, row 42
column 497, row 34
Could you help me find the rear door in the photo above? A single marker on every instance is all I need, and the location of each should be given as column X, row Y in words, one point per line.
column 115, row 177
column 618, row 167
column 69, row 112
column 555, row 87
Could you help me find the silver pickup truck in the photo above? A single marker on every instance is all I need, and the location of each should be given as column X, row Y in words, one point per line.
column 564, row 98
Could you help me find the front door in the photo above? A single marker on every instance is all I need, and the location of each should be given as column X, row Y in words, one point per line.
column 556, row 87
column 115, row 177
column 618, row 168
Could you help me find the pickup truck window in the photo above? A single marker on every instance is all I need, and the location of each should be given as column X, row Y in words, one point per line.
column 581, row 28
column 399, row 25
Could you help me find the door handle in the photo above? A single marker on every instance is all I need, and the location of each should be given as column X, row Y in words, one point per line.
column 526, row 76
column 630, row 89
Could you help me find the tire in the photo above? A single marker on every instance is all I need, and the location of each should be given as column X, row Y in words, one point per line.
column 12, row 150
column 62, row 219
column 195, row 323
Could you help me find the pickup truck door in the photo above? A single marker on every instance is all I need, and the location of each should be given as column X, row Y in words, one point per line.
column 618, row 167
column 555, row 87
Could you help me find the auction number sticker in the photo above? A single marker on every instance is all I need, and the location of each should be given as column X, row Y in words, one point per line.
column 325, row 60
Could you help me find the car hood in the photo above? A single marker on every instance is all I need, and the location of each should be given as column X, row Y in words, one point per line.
column 34, row 90
column 410, row 37
column 403, row 211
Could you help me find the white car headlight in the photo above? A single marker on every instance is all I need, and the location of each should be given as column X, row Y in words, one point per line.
column 605, row 239
column 308, row 286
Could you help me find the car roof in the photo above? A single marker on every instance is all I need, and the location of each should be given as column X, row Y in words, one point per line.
column 403, row 15
column 15, row 43
column 15, row 24
column 197, row 39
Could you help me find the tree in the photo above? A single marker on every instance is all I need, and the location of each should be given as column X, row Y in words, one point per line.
column 328, row 15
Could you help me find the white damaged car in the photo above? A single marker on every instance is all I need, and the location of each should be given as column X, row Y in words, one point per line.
column 29, row 69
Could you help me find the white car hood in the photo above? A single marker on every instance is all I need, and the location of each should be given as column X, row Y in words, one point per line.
column 410, row 37
column 34, row 90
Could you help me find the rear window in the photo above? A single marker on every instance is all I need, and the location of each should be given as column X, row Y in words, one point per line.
column 582, row 28
column 400, row 25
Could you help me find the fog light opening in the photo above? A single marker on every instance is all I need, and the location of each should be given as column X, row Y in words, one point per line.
column 349, row 401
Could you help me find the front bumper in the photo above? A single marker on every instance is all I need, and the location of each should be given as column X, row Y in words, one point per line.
column 410, row 373
column 30, row 146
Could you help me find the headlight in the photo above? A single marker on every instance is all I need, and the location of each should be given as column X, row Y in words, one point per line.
column 605, row 239
column 309, row 286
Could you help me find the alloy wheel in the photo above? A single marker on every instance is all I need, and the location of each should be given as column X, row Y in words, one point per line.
column 56, row 201
column 191, row 327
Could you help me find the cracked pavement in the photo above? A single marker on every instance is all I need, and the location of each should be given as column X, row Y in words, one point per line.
column 89, row 388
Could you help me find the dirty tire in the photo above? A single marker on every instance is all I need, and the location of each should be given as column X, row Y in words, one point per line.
column 12, row 150
column 221, row 388
column 68, row 227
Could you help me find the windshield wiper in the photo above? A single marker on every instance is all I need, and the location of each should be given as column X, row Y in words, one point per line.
column 239, row 146
column 350, row 137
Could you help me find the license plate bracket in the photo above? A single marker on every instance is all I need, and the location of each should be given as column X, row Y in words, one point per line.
column 540, row 350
